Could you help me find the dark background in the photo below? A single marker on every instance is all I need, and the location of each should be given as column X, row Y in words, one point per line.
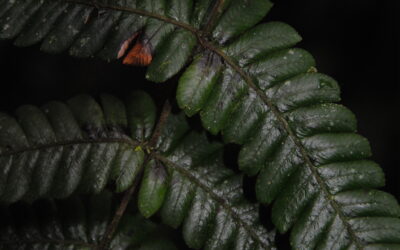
column 355, row 41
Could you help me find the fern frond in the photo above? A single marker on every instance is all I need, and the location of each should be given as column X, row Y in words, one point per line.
column 249, row 84
column 161, row 34
column 75, row 223
column 309, row 161
column 79, row 146
column 108, row 29
column 184, row 176
column 199, row 193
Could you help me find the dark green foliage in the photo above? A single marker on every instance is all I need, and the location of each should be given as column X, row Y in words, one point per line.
column 79, row 146
column 203, row 196
column 86, row 29
column 153, row 188
column 246, row 82
column 292, row 136
column 101, row 28
column 76, row 223
column 184, row 175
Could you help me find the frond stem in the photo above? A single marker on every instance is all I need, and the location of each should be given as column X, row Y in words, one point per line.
column 215, row 13
column 112, row 227
column 166, row 111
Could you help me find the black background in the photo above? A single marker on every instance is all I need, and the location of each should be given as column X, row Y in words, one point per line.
column 355, row 41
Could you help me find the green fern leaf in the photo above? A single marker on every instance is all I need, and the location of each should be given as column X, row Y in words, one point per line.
column 107, row 29
column 304, row 148
column 79, row 146
column 199, row 193
column 75, row 223
column 164, row 32
column 184, row 176
column 250, row 85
